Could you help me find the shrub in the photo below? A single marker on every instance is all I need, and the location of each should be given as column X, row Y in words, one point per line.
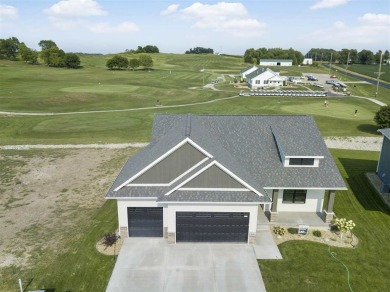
column 317, row 233
column 343, row 225
column 279, row 230
column 382, row 117
column 292, row 230
column 109, row 239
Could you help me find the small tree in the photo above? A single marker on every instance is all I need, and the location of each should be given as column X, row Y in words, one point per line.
column 71, row 60
column 133, row 63
column 117, row 62
column 109, row 239
column 382, row 117
column 146, row 61
column 344, row 226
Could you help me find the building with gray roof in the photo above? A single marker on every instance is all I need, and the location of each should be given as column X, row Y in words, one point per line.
column 201, row 173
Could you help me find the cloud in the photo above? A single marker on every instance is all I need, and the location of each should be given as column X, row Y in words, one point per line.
column 372, row 30
column 230, row 18
column 328, row 4
column 170, row 9
column 104, row 27
column 7, row 11
column 75, row 8
column 375, row 19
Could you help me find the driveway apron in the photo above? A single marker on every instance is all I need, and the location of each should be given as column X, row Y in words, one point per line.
column 151, row 264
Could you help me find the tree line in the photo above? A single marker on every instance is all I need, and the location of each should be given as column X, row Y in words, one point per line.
column 253, row 56
column 119, row 62
column 149, row 49
column 12, row 49
column 365, row 57
column 200, row 50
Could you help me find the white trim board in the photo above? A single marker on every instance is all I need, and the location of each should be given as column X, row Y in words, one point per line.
column 223, row 169
column 166, row 154
column 214, row 189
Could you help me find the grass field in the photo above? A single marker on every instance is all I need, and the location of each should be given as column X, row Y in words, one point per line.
column 369, row 70
column 308, row 266
column 27, row 88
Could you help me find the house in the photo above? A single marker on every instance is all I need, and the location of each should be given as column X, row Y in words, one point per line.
column 307, row 61
column 264, row 77
column 275, row 62
column 383, row 169
column 247, row 71
column 206, row 178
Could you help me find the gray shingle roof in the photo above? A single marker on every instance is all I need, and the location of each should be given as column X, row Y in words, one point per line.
column 246, row 146
column 246, row 69
column 385, row 132
column 275, row 60
column 257, row 72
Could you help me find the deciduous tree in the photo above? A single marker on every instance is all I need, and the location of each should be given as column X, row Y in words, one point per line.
column 71, row 60
column 133, row 63
column 382, row 117
column 146, row 61
column 117, row 62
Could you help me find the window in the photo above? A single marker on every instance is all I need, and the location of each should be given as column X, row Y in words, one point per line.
column 301, row 161
column 265, row 81
column 257, row 81
column 294, row 196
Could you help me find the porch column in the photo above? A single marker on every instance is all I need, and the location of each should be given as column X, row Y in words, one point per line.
column 274, row 208
column 328, row 212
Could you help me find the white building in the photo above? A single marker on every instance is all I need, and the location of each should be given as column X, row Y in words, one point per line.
column 307, row 61
column 247, row 71
column 275, row 62
column 264, row 77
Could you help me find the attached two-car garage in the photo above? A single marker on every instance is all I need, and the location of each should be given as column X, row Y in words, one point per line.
column 190, row 226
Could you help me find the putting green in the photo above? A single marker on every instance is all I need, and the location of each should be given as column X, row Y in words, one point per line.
column 336, row 109
column 101, row 88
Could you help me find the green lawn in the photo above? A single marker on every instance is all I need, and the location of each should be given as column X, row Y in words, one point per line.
column 308, row 266
column 27, row 88
column 369, row 70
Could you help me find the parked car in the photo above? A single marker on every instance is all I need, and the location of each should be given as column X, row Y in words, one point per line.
column 312, row 78
column 330, row 81
column 333, row 76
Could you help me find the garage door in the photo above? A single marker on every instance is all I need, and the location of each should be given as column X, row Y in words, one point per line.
column 212, row 227
column 145, row 222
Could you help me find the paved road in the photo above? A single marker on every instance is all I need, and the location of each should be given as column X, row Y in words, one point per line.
column 369, row 80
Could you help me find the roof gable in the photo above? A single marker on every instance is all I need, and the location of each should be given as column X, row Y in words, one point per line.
column 172, row 166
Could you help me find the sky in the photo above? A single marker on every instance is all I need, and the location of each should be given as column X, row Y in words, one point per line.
column 231, row 27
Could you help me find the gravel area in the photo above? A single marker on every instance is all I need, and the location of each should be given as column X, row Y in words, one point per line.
column 352, row 143
column 355, row 143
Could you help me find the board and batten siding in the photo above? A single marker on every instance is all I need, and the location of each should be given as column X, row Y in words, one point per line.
column 171, row 166
column 314, row 202
column 214, row 177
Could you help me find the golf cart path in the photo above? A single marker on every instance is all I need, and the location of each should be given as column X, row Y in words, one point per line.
column 351, row 143
column 211, row 86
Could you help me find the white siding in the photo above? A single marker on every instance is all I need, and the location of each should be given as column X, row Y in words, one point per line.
column 314, row 202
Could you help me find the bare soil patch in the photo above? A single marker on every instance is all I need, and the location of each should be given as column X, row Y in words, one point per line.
column 44, row 193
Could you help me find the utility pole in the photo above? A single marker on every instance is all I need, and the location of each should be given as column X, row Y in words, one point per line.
column 379, row 75
column 203, row 76
column 346, row 68
column 330, row 62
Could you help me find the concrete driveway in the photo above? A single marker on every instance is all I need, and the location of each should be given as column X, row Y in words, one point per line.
column 151, row 264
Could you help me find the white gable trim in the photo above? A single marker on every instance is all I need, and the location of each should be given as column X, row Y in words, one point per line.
column 215, row 189
column 223, row 169
column 186, row 140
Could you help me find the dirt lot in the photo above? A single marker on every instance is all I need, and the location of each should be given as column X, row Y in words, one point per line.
column 43, row 193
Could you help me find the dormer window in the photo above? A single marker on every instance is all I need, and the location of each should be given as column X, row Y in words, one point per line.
column 301, row 161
